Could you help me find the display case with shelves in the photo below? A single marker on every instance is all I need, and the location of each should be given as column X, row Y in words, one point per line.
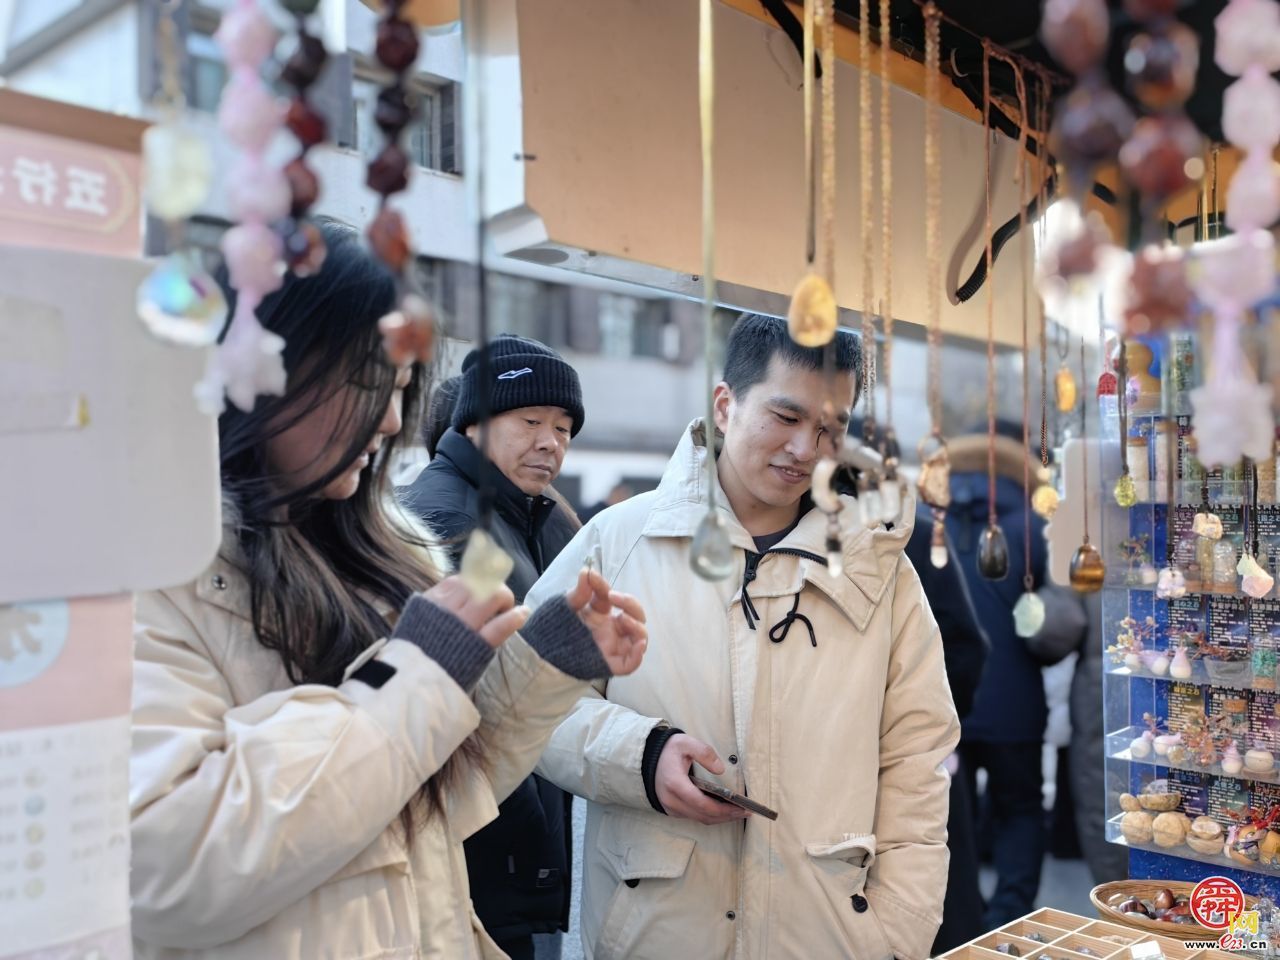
column 1190, row 683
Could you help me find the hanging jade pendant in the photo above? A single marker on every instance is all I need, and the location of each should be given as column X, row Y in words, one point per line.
column 938, row 543
column 1125, row 492
column 485, row 565
column 811, row 320
column 711, row 556
column 993, row 553
column 1064, row 389
column 1045, row 500
column 1087, row 569
column 1028, row 615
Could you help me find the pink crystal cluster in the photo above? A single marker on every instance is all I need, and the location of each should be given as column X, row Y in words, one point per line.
column 249, row 361
column 1232, row 410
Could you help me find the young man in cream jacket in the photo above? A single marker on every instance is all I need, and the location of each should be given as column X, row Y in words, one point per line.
column 824, row 698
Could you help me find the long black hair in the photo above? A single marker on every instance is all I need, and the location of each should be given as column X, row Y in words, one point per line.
column 327, row 577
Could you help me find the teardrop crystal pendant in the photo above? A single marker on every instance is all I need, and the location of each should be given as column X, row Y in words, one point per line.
column 1125, row 492
column 938, row 552
column 711, row 556
column 1065, row 390
column 1087, row 569
column 180, row 303
column 993, row 553
column 811, row 319
column 485, row 565
column 1045, row 500
column 1028, row 615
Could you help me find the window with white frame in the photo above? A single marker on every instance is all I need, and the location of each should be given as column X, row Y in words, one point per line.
column 430, row 141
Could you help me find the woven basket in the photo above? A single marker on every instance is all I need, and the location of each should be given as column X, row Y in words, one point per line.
column 1146, row 890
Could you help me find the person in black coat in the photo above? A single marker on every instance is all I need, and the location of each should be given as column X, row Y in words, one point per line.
column 520, row 864
column 1004, row 732
column 964, row 650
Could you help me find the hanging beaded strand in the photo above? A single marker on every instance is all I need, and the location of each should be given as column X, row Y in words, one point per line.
column 891, row 484
column 886, row 210
column 826, row 498
column 866, row 209
column 1233, row 415
column 934, row 481
column 409, row 331
column 178, row 302
column 812, row 315
column 993, row 548
column 1045, row 498
column 304, row 249
column 250, row 360
column 1087, row 571
column 711, row 554
column 1028, row 611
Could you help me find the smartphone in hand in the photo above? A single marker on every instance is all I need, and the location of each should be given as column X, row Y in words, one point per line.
column 721, row 792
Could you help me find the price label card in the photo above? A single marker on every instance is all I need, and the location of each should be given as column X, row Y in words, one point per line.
column 1264, row 720
column 1228, row 800
column 1194, row 789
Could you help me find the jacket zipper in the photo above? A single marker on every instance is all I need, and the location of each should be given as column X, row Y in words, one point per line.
column 749, row 575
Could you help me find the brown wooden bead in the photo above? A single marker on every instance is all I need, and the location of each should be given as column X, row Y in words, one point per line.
column 306, row 123
column 395, row 110
column 397, row 46
column 389, row 239
column 409, row 333
column 1146, row 10
column 303, row 68
column 389, row 171
column 304, row 185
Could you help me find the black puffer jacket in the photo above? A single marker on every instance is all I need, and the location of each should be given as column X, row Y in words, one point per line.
column 520, row 863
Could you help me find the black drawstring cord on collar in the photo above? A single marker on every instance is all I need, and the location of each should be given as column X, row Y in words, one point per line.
column 749, row 612
column 778, row 632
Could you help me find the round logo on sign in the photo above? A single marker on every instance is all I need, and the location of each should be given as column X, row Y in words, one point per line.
column 32, row 636
column 1215, row 900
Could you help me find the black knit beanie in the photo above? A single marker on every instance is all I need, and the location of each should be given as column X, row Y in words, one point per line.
column 524, row 373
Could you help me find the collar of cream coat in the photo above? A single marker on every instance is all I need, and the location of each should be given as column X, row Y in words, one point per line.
column 225, row 585
column 870, row 556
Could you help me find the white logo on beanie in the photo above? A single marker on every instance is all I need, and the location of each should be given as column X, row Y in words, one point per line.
column 513, row 374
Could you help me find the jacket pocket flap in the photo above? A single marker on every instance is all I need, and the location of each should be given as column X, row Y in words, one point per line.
column 856, row 849
column 638, row 850
column 385, row 851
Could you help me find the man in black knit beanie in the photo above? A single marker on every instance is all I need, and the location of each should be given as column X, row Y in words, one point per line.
column 519, row 864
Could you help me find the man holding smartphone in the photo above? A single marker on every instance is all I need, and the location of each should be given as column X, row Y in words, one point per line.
column 821, row 697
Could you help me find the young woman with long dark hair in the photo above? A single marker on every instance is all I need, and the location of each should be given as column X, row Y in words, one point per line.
column 323, row 716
